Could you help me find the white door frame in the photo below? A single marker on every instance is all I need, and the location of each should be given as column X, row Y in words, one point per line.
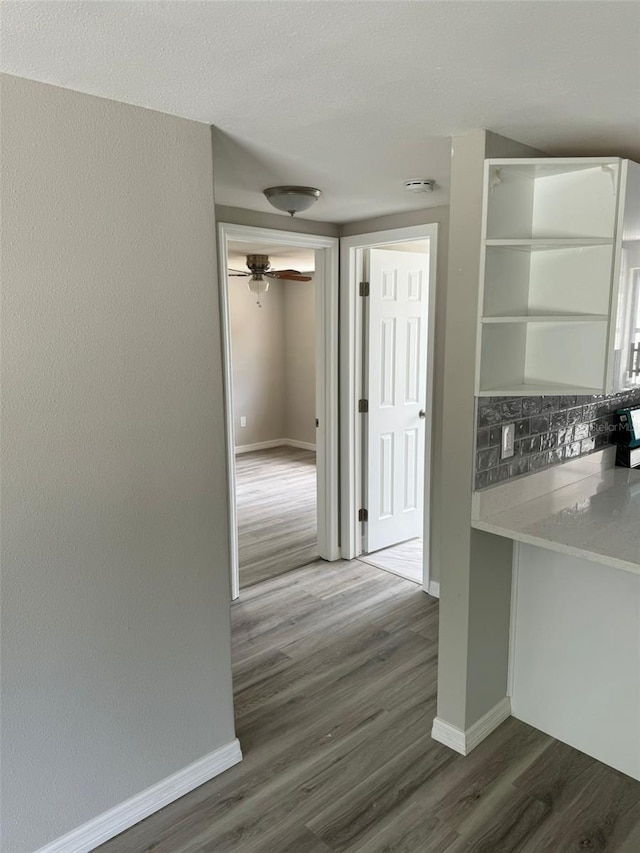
column 326, row 291
column 351, row 372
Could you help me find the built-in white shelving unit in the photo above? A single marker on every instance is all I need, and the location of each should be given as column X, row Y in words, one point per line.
column 561, row 243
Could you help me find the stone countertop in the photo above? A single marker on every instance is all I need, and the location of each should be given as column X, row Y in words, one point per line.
column 596, row 518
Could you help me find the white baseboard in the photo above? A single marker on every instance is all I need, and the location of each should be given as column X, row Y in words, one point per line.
column 434, row 589
column 111, row 823
column 260, row 445
column 274, row 442
column 489, row 723
column 303, row 445
column 464, row 741
column 449, row 735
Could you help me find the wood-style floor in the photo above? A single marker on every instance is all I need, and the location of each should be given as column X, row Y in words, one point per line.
column 277, row 514
column 335, row 690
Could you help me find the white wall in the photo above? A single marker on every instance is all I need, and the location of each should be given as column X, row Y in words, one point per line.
column 273, row 362
column 114, row 568
column 575, row 662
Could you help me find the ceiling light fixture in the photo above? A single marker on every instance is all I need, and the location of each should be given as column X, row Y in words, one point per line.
column 258, row 285
column 292, row 200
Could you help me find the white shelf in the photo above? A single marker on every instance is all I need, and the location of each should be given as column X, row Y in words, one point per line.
column 558, row 354
column 547, row 166
column 546, row 244
column 552, row 201
column 564, row 280
column 556, row 295
column 549, row 318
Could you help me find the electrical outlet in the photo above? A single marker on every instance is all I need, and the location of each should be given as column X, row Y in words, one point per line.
column 508, row 439
column 243, row 421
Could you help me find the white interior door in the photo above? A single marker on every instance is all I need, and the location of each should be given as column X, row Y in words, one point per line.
column 396, row 388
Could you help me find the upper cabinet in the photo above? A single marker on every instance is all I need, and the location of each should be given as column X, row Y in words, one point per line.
column 559, row 308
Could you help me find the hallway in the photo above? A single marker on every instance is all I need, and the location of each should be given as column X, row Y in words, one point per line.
column 335, row 691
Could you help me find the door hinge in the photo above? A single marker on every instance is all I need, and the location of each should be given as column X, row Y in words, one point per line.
column 364, row 288
column 363, row 515
column 363, row 406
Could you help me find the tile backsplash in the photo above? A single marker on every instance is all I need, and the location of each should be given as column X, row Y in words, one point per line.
column 548, row 431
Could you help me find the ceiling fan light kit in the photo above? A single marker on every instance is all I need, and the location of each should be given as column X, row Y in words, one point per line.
column 290, row 199
column 259, row 266
column 258, row 285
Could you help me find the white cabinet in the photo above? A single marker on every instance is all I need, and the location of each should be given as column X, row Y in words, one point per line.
column 559, row 308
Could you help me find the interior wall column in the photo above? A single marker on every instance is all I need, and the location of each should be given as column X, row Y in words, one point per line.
column 475, row 567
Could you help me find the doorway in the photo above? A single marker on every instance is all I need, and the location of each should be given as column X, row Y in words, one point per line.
column 273, row 332
column 388, row 320
column 282, row 435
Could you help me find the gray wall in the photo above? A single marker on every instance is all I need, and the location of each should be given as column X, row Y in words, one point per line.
column 429, row 215
column 273, row 362
column 300, row 361
column 115, row 576
column 475, row 568
column 276, row 221
column 257, row 359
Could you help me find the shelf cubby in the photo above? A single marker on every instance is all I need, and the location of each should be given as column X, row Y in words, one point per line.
column 567, row 355
column 559, row 199
column 551, row 280
column 559, row 283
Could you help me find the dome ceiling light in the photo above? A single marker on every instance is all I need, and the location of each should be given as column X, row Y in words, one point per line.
column 292, row 200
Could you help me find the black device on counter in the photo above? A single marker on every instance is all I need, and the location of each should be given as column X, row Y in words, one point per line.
column 627, row 437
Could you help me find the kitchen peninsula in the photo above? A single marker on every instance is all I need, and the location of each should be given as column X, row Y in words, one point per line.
column 575, row 616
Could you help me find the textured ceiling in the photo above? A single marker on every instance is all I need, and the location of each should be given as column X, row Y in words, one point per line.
column 352, row 97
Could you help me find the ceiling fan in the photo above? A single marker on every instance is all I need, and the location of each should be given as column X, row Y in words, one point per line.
column 260, row 271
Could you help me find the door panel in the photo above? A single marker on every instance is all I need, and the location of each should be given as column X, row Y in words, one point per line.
column 387, row 361
column 387, row 459
column 396, row 386
column 411, row 462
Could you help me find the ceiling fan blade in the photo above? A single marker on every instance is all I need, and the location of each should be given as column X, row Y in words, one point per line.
column 237, row 272
column 287, row 276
